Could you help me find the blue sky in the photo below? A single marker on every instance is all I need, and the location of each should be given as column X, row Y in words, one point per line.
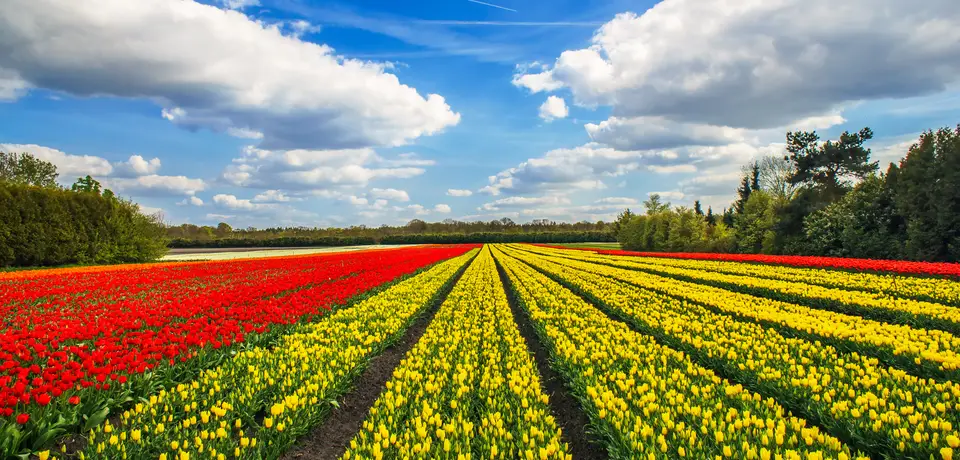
column 301, row 112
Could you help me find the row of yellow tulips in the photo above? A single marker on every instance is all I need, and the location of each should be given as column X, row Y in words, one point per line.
column 925, row 352
column 894, row 413
column 468, row 388
column 932, row 289
column 256, row 404
column 650, row 401
column 875, row 305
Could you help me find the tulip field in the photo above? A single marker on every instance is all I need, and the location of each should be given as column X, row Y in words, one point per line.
column 509, row 351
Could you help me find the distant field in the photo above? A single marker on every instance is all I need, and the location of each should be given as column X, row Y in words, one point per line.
column 591, row 245
column 254, row 253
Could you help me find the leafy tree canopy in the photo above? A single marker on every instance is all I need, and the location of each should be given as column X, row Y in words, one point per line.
column 26, row 169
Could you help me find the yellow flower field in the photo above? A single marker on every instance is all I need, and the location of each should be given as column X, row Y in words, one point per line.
column 532, row 352
column 469, row 387
column 893, row 409
column 933, row 350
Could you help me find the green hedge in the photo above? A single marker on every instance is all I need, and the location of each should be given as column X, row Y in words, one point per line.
column 279, row 242
column 51, row 226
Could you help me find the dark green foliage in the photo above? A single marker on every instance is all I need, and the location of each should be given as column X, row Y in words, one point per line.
column 728, row 217
column 501, row 237
column 49, row 226
column 928, row 196
column 841, row 206
column 26, row 169
column 830, row 166
column 755, row 225
column 743, row 194
column 864, row 223
column 675, row 230
column 502, row 230
column 86, row 185
column 622, row 219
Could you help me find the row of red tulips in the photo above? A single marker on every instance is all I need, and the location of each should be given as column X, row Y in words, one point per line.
column 63, row 336
column 892, row 266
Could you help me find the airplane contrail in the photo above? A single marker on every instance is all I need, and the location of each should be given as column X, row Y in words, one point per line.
column 492, row 5
column 448, row 22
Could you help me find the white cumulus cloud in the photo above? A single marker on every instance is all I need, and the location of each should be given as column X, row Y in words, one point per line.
column 391, row 194
column 312, row 169
column 67, row 165
column 213, row 68
column 758, row 64
column 191, row 201
column 553, row 108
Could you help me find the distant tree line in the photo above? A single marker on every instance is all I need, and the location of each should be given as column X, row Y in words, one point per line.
column 502, row 237
column 415, row 231
column 42, row 223
column 822, row 198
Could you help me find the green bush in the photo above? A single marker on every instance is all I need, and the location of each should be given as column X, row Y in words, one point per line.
column 42, row 226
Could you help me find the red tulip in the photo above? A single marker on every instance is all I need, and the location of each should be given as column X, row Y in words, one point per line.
column 23, row 419
column 94, row 324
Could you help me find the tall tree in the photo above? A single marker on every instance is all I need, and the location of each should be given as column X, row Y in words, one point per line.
column 727, row 218
column 743, row 194
column 87, row 185
column 775, row 173
column 755, row 175
column 755, row 226
column 655, row 205
column 223, row 229
column 622, row 219
column 928, row 195
column 697, row 209
column 711, row 219
column 26, row 169
column 830, row 166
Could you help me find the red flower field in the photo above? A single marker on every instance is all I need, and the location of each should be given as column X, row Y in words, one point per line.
column 65, row 336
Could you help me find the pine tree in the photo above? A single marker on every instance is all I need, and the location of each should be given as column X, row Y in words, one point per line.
column 711, row 219
column 830, row 165
column 743, row 194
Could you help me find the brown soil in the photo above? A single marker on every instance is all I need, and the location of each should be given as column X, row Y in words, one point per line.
column 565, row 408
column 330, row 439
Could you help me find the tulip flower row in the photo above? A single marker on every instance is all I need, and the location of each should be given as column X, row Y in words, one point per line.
column 468, row 388
column 891, row 412
column 868, row 304
column 90, row 332
column 77, row 346
column 258, row 402
column 892, row 266
column 924, row 352
column 648, row 400
column 930, row 289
